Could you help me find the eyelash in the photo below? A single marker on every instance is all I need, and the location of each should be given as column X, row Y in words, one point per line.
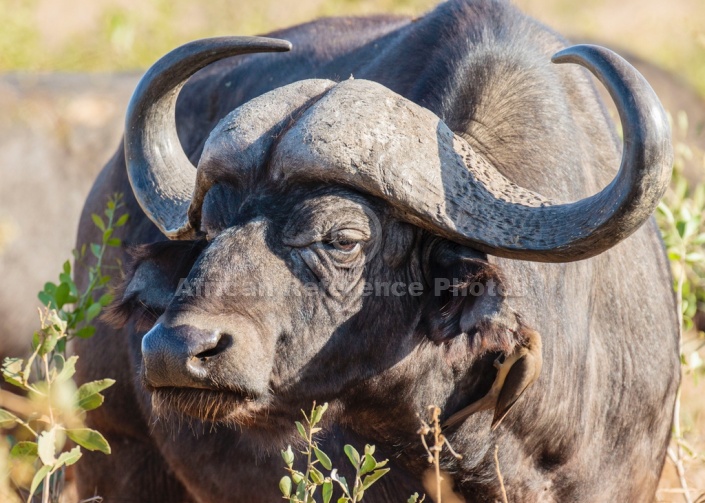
column 344, row 245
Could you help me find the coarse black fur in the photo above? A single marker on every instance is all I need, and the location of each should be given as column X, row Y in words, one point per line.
column 594, row 427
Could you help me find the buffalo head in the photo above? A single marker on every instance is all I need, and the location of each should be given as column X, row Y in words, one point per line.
column 313, row 241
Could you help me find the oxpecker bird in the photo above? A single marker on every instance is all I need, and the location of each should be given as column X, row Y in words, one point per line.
column 515, row 372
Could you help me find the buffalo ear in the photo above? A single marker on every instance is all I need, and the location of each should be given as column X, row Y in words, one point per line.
column 466, row 298
column 152, row 278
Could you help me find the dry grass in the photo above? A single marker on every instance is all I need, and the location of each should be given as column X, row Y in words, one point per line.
column 693, row 424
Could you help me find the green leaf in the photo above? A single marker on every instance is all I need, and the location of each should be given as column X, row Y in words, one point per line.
column 67, row 267
column 327, row 491
column 368, row 464
column 46, row 299
column 373, row 477
column 60, row 347
column 301, row 490
column 67, row 369
column 288, row 456
column 38, row 478
column 85, row 332
column 93, row 311
column 318, row 414
column 12, row 372
column 62, row 293
column 316, row 476
column 285, row 486
column 88, row 395
column 122, row 220
column 323, row 458
column 114, row 242
column 46, row 296
column 96, row 250
column 92, row 402
column 107, row 235
column 680, row 227
column 50, row 288
column 414, row 498
column 380, row 464
column 46, row 446
column 341, row 482
column 7, row 419
column 92, row 387
column 98, row 222
column 26, row 450
column 105, row 299
column 695, row 257
column 89, row 439
column 665, row 210
column 302, row 430
column 59, row 362
column 352, row 454
column 674, row 255
column 48, row 343
column 68, row 458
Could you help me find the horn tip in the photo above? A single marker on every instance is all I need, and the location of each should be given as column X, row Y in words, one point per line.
column 575, row 53
column 276, row 44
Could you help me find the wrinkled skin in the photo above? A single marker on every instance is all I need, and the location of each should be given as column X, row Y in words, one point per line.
column 594, row 427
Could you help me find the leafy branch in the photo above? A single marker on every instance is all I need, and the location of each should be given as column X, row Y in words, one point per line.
column 680, row 217
column 367, row 469
column 50, row 408
column 433, row 428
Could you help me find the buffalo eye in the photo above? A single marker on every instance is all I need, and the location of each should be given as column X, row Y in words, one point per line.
column 344, row 243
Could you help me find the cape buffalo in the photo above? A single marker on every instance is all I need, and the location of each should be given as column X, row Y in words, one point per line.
column 392, row 214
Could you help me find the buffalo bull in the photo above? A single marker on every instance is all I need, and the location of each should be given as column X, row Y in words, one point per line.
column 447, row 158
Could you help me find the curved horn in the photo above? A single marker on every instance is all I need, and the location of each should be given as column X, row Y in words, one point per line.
column 161, row 175
column 363, row 135
column 237, row 149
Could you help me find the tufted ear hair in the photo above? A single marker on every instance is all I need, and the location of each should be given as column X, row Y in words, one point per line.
column 466, row 297
column 153, row 276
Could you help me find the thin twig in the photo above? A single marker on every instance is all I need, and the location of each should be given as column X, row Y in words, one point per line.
column 499, row 475
column 437, row 446
column 680, row 470
column 434, row 451
column 16, row 403
column 46, row 490
column 677, row 456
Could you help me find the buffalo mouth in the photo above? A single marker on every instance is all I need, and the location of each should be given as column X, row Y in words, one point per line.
column 209, row 405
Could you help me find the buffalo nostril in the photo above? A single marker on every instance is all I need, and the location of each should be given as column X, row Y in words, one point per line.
column 223, row 342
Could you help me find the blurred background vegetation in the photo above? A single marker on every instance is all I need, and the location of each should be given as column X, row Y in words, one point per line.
column 108, row 35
